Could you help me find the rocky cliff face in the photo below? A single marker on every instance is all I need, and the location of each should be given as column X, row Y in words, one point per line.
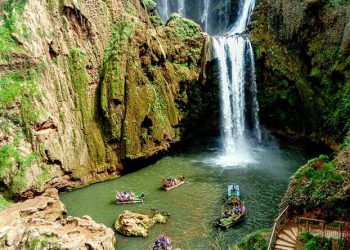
column 39, row 223
column 302, row 50
column 88, row 85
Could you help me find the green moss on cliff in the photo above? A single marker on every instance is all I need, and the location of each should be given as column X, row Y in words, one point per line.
column 13, row 167
column 80, row 81
column 255, row 240
column 9, row 25
column 4, row 203
column 335, row 3
column 143, row 69
column 113, row 86
column 304, row 73
column 19, row 89
column 92, row 132
column 322, row 185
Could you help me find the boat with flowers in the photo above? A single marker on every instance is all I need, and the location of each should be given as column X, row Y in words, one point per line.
column 129, row 198
column 162, row 243
column 170, row 183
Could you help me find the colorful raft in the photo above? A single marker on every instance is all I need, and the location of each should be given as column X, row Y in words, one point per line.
column 171, row 183
column 128, row 198
column 234, row 209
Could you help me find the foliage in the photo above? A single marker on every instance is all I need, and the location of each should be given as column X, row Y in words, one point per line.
column 319, row 177
column 11, row 24
column 185, row 28
column 253, row 241
column 320, row 184
column 312, row 242
column 9, row 157
column 335, row 3
column 305, row 78
column 346, row 143
column 20, row 88
column 150, row 4
column 4, row 203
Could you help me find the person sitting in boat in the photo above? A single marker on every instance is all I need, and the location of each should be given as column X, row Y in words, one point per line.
column 226, row 214
column 236, row 209
column 162, row 243
column 142, row 196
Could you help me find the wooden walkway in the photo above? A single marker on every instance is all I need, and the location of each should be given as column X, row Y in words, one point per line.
column 286, row 230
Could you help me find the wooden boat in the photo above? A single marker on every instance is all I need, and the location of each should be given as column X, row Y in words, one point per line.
column 132, row 200
column 174, row 186
column 178, row 182
column 235, row 208
column 232, row 220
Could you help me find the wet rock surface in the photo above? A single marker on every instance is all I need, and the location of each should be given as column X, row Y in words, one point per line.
column 39, row 223
column 135, row 224
column 108, row 82
column 302, row 60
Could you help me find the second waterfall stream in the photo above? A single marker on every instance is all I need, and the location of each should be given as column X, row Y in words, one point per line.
column 240, row 127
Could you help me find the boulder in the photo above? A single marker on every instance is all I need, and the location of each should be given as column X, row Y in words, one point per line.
column 133, row 224
column 39, row 223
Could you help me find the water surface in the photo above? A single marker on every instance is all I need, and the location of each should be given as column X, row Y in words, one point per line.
column 195, row 205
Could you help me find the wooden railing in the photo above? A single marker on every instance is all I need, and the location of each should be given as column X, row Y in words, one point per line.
column 280, row 222
column 336, row 229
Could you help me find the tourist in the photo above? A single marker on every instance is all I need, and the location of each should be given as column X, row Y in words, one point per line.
column 226, row 214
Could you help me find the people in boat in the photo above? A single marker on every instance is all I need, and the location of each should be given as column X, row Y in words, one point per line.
column 142, row 196
column 162, row 243
column 172, row 181
column 125, row 196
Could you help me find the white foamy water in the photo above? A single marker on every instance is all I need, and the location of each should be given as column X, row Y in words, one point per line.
column 237, row 79
column 181, row 7
column 236, row 60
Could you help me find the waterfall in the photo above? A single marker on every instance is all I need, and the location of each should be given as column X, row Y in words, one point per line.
column 236, row 58
column 237, row 79
column 245, row 10
column 163, row 8
column 181, row 7
column 254, row 90
column 205, row 15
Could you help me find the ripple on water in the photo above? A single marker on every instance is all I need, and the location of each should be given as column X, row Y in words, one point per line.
column 194, row 206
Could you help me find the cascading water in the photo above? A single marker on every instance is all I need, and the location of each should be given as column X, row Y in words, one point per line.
column 205, row 15
column 163, row 8
column 234, row 49
column 181, row 7
column 237, row 81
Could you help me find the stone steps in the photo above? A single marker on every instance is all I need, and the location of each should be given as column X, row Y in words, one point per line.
column 286, row 239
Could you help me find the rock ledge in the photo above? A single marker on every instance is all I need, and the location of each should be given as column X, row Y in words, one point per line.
column 39, row 223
